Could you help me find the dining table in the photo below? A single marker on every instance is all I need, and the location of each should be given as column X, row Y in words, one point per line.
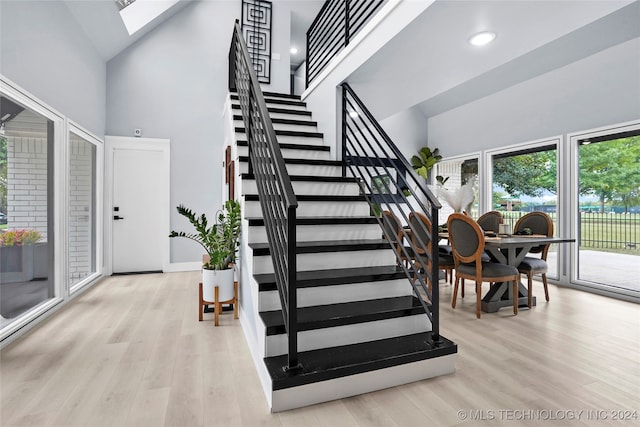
column 511, row 250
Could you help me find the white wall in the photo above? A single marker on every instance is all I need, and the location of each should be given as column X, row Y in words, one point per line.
column 44, row 51
column 599, row 90
column 172, row 83
column 408, row 130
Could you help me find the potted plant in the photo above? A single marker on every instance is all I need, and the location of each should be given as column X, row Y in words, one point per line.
column 220, row 241
column 425, row 160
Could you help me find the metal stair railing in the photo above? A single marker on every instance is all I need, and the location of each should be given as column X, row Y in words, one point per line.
column 277, row 198
column 333, row 28
column 388, row 182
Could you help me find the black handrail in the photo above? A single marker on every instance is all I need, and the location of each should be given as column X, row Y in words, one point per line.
column 333, row 28
column 277, row 198
column 388, row 182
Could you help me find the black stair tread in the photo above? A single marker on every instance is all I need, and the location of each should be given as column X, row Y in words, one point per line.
column 262, row 249
column 309, row 123
column 275, row 100
column 314, row 162
column 336, row 362
column 283, row 95
column 321, row 220
column 244, row 143
column 345, row 313
column 334, row 276
column 310, row 178
column 315, row 198
column 289, row 133
column 269, row 93
column 280, row 110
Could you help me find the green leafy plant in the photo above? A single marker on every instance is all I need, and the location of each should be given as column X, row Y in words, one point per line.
column 425, row 160
column 220, row 240
column 19, row 237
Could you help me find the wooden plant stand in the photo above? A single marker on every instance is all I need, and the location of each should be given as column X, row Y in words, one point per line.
column 217, row 305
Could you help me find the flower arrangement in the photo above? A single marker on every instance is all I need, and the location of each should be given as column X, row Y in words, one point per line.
column 459, row 199
column 19, row 237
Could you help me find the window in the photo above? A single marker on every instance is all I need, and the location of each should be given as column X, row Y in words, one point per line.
column 83, row 211
column 27, row 232
column 524, row 179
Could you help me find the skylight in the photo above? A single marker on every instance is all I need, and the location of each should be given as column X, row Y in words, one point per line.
column 137, row 13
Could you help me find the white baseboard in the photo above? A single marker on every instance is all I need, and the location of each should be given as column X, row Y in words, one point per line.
column 175, row 267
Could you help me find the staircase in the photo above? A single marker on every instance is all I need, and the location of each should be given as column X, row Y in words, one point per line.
column 361, row 327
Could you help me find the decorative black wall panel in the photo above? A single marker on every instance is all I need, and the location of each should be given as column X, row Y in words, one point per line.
column 256, row 29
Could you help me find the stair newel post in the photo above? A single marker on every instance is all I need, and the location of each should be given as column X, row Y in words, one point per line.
column 435, row 278
column 292, row 292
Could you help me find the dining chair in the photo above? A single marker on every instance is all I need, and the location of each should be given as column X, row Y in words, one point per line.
column 467, row 242
column 490, row 221
column 422, row 242
column 393, row 229
column 538, row 223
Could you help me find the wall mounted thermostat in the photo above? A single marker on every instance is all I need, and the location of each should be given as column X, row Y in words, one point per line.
column 137, row 132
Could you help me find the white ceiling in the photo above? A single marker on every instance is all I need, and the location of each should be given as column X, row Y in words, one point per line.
column 440, row 70
column 103, row 26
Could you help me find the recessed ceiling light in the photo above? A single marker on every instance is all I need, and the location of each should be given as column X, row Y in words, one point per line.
column 293, row 50
column 482, row 38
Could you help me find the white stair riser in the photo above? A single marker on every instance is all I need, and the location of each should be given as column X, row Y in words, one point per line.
column 276, row 105
column 302, row 117
column 288, row 139
column 283, row 126
column 323, row 295
column 350, row 334
column 252, row 209
column 311, row 188
column 292, row 153
column 308, row 233
column 353, row 385
column 304, row 170
column 327, row 260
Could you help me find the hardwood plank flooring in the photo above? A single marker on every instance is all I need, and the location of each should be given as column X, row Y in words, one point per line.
column 131, row 352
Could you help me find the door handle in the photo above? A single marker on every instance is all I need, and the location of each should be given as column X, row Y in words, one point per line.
column 116, row 217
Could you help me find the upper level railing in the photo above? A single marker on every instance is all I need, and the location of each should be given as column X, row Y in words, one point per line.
column 332, row 30
column 277, row 198
column 390, row 184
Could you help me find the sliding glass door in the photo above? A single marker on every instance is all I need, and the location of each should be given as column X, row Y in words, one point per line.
column 608, row 214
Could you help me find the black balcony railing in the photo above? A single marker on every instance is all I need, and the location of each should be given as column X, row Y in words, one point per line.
column 335, row 25
column 390, row 184
column 277, row 199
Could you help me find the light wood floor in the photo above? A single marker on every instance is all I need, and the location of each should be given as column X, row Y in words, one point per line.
column 130, row 352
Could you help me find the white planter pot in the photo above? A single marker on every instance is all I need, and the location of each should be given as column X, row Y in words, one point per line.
column 221, row 278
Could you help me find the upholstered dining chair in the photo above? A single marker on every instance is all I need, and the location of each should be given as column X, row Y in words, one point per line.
column 490, row 221
column 393, row 229
column 422, row 242
column 467, row 242
column 538, row 223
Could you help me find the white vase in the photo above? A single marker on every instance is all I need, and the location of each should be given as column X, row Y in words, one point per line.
column 221, row 278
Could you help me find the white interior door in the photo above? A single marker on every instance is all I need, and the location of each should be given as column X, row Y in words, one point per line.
column 139, row 208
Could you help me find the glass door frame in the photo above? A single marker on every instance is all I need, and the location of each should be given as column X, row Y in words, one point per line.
column 574, row 203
